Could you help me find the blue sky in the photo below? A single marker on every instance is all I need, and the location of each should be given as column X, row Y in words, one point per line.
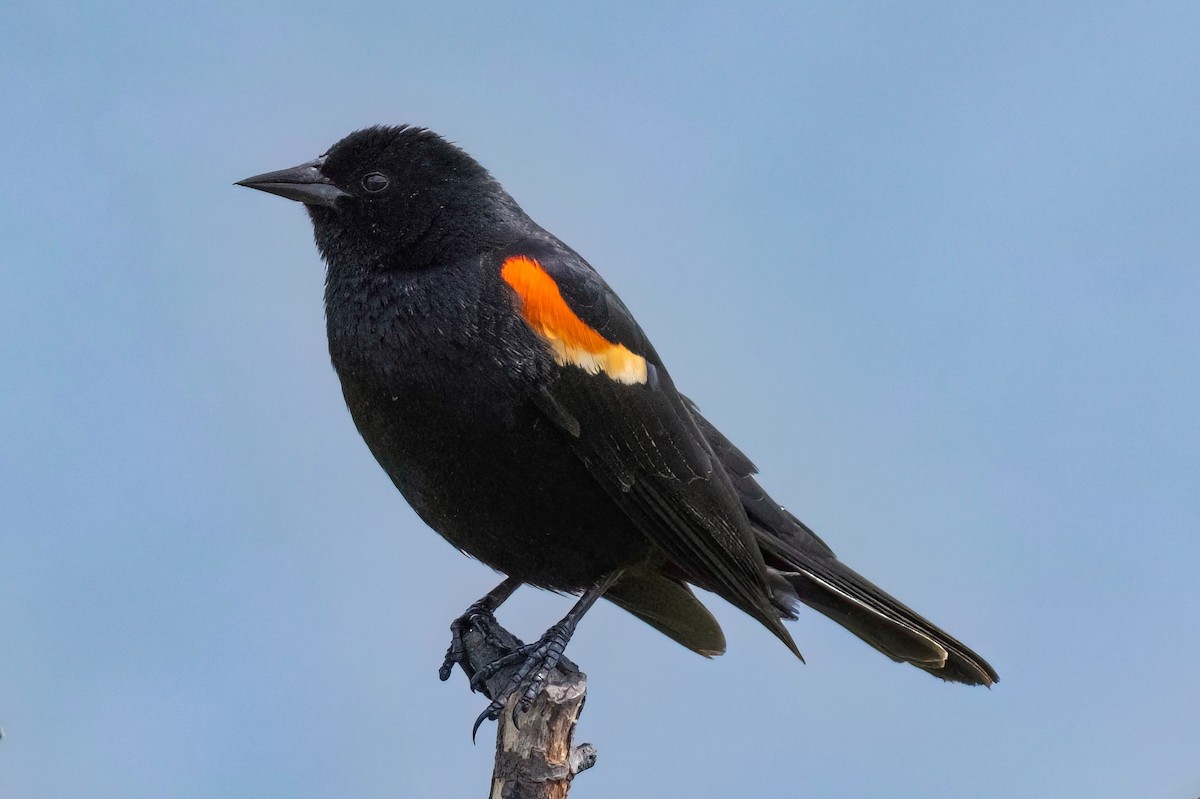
column 934, row 267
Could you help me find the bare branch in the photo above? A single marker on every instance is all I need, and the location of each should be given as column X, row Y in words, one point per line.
column 535, row 758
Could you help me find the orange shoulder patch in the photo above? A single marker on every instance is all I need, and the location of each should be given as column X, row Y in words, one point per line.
column 570, row 339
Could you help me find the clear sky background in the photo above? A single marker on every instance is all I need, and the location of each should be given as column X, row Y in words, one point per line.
column 936, row 268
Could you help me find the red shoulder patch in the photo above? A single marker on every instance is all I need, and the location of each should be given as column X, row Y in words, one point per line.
column 570, row 339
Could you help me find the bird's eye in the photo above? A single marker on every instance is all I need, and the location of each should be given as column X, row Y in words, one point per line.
column 375, row 182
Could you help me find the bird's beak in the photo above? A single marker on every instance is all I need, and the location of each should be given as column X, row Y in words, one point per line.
column 304, row 183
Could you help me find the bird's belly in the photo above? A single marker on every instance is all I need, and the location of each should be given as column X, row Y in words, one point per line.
column 499, row 482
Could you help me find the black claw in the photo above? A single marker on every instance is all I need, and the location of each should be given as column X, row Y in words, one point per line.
column 515, row 717
column 490, row 713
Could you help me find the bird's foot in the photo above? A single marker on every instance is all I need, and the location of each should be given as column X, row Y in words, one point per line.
column 536, row 661
column 480, row 617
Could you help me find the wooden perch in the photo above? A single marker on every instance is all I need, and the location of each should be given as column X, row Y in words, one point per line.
column 535, row 758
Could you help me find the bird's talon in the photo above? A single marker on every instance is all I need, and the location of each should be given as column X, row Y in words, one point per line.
column 490, row 713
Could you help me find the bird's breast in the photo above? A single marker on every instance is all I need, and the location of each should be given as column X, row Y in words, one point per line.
column 438, row 384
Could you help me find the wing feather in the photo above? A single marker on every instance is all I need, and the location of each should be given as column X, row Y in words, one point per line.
column 643, row 446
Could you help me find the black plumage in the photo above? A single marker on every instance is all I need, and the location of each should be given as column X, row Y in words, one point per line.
column 522, row 412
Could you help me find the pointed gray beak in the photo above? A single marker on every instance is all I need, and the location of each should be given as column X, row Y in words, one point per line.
column 304, row 183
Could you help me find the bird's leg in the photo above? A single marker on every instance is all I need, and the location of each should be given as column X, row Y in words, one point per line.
column 484, row 607
column 536, row 659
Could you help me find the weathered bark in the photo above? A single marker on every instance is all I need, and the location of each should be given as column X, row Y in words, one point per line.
column 535, row 758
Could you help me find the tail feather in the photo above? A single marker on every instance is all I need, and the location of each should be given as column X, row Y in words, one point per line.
column 804, row 569
column 827, row 585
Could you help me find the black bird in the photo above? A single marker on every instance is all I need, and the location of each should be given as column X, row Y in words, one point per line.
column 522, row 412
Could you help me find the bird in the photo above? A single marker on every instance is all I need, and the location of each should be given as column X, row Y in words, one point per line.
column 522, row 412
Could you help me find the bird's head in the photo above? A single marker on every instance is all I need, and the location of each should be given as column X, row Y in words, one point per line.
column 396, row 197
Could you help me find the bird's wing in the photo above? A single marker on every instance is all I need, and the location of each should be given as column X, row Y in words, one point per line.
column 763, row 511
column 622, row 416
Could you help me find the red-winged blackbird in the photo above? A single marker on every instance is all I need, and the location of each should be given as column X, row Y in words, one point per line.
column 523, row 413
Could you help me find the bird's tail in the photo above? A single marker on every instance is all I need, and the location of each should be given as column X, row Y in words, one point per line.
column 826, row 584
column 804, row 569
